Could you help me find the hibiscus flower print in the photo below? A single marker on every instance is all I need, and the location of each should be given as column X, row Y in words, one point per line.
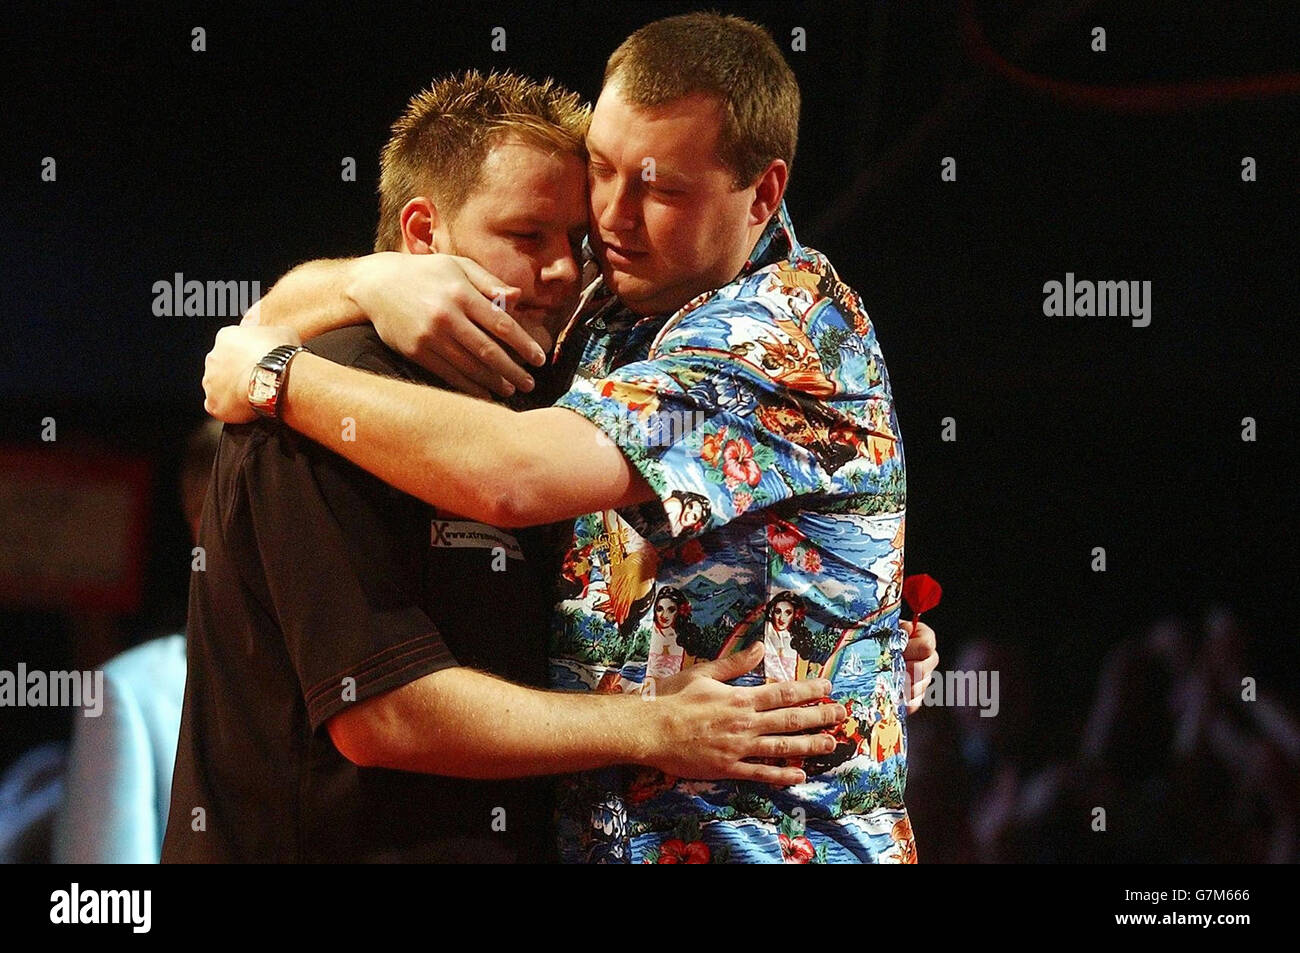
column 679, row 852
column 742, row 501
column 784, row 538
column 738, row 463
column 810, row 560
column 711, row 447
column 796, row 850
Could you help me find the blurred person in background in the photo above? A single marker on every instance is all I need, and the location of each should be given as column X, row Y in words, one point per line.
column 119, row 772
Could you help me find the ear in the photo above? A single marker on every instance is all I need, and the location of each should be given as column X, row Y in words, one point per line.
column 420, row 222
column 769, row 189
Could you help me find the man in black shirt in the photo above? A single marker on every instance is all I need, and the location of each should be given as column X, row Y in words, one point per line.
column 359, row 666
column 322, row 589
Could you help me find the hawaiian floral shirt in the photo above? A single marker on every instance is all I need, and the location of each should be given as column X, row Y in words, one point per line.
column 761, row 414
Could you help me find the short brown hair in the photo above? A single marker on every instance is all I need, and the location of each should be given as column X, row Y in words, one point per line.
column 726, row 56
column 438, row 145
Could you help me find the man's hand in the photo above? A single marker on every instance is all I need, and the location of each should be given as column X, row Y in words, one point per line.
column 435, row 309
column 921, row 658
column 707, row 728
column 229, row 365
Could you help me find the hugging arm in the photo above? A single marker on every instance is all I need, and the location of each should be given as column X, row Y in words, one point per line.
column 466, row 723
column 445, row 312
column 472, row 457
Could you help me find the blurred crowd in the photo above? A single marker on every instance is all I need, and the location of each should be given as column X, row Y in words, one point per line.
column 1183, row 758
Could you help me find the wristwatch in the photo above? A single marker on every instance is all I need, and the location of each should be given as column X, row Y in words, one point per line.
column 268, row 379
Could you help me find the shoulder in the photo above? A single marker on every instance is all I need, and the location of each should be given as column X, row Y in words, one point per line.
column 782, row 296
column 769, row 318
column 793, row 322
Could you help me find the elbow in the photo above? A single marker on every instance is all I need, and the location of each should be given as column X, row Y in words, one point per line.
column 490, row 490
column 513, row 496
column 497, row 475
column 357, row 737
column 511, row 509
column 398, row 730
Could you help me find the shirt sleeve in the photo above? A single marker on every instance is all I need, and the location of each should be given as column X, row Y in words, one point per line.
column 742, row 406
column 342, row 573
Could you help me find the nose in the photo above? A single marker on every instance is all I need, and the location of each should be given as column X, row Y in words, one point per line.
column 616, row 204
column 562, row 270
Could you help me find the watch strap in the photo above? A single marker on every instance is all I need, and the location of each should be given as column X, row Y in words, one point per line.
column 277, row 362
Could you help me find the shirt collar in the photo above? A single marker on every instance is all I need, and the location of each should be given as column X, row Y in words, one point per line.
column 599, row 310
column 777, row 243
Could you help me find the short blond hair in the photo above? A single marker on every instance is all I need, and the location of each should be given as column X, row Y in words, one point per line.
column 725, row 56
column 438, row 146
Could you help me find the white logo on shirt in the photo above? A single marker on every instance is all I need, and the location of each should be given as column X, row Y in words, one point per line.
column 458, row 534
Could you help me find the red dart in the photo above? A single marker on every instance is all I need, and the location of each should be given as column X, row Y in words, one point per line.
column 922, row 593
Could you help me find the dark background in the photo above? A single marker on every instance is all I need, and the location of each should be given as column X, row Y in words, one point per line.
column 1071, row 432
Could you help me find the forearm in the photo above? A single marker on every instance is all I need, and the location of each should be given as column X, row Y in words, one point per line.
column 467, row 724
column 312, row 298
column 448, row 449
column 472, row 457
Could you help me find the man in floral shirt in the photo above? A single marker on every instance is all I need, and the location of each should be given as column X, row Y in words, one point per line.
column 761, row 415
column 727, row 461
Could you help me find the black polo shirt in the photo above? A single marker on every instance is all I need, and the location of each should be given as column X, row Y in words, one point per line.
column 322, row 587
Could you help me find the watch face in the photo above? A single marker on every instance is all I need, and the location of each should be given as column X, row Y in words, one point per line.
column 263, row 388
